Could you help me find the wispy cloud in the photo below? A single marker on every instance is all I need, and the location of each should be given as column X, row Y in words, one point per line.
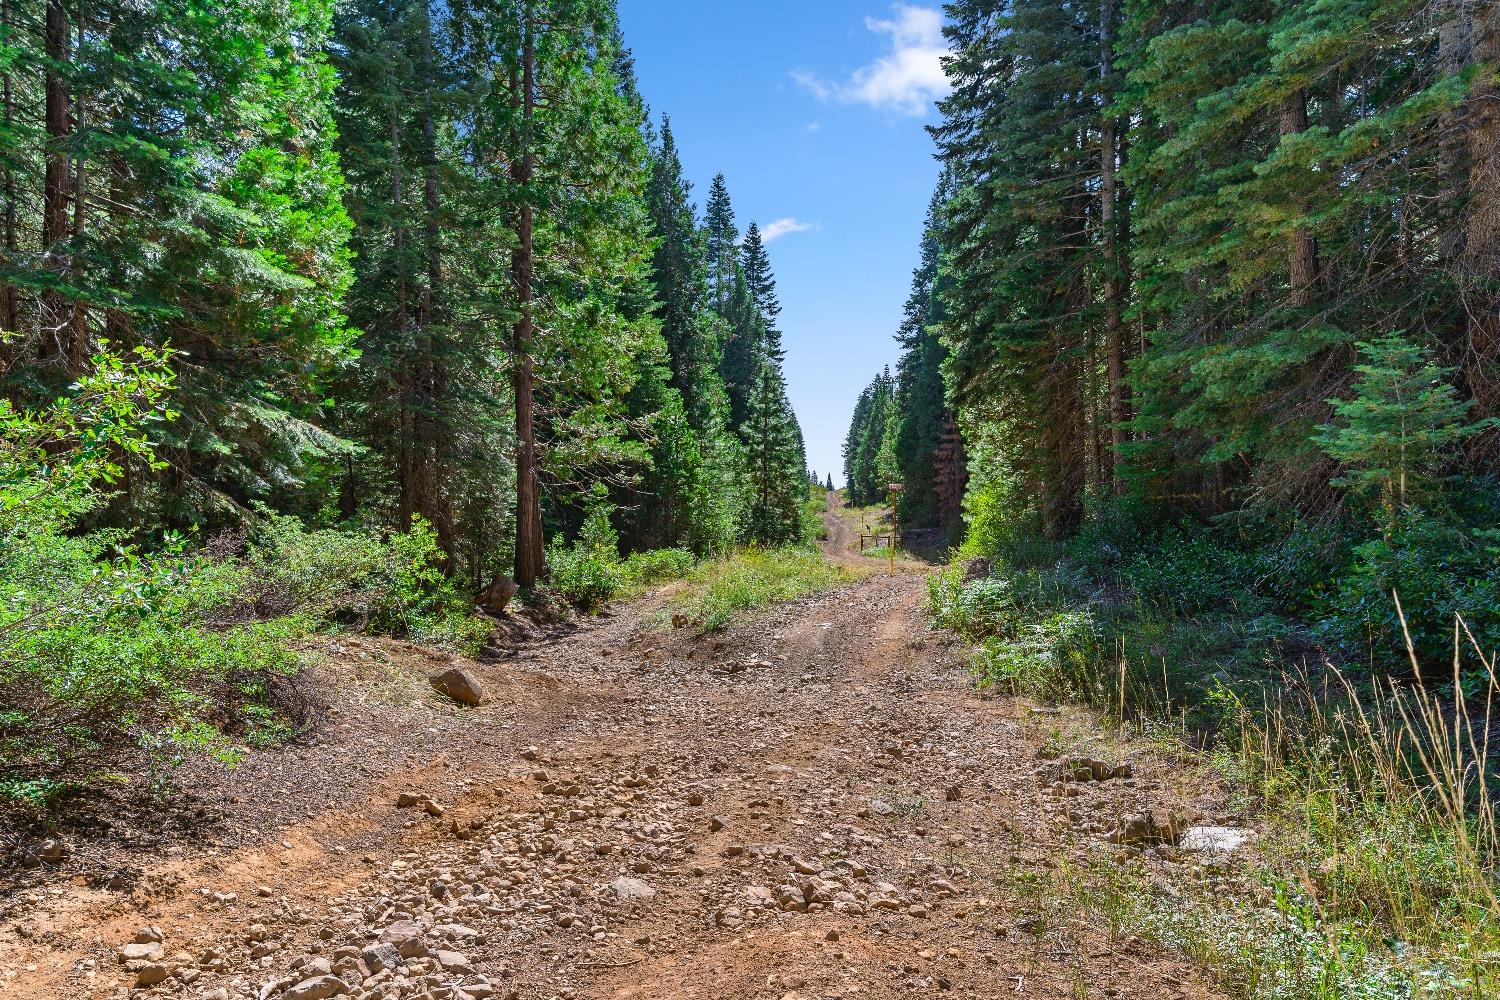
column 907, row 79
column 784, row 227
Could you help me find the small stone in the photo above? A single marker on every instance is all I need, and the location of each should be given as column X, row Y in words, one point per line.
column 52, row 850
column 151, row 974
column 382, row 956
column 317, row 988
column 406, row 937
column 149, row 951
column 632, row 890
column 805, row 867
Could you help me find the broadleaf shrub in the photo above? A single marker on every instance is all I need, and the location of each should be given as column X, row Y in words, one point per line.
column 116, row 656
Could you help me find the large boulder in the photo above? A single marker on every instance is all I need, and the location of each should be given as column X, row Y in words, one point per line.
column 459, row 685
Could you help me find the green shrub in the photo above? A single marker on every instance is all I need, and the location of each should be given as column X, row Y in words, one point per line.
column 112, row 655
column 588, row 573
column 1441, row 572
column 1191, row 573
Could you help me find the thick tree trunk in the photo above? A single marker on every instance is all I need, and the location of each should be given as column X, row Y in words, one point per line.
column 529, row 553
column 1063, row 449
column 1455, row 46
column 56, row 317
column 1303, row 268
column 1480, row 366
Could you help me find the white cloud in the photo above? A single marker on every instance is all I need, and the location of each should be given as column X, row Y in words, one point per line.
column 783, row 227
column 812, row 127
column 907, row 78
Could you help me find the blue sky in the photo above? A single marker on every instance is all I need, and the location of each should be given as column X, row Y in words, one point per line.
column 814, row 111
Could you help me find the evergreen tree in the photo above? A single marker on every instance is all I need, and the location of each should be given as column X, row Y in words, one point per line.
column 744, row 349
column 757, row 266
column 682, row 289
column 1401, row 424
column 170, row 179
column 920, row 393
column 869, row 459
column 775, row 482
column 721, row 242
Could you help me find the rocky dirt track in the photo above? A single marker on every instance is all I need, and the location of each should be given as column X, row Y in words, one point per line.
column 817, row 805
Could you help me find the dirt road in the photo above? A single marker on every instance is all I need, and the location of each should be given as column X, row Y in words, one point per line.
column 816, row 805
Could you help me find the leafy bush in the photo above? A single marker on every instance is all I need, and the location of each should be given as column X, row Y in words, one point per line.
column 111, row 654
column 590, row 573
column 1191, row 573
column 587, row 573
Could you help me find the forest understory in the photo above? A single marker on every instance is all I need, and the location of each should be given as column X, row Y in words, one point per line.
column 817, row 802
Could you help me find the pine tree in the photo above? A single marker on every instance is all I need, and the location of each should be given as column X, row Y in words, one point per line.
column 721, row 244
column 869, row 448
column 776, row 483
column 744, row 347
column 170, row 178
column 757, row 266
column 1402, row 422
column 920, row 394
column 682, row 290
column 1017, row 139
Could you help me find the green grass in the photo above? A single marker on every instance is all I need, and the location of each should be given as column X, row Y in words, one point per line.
column 1376, row 875
column 718, row 594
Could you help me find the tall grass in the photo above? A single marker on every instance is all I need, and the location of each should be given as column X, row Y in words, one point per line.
column 1388, row 827
column 1376, row 877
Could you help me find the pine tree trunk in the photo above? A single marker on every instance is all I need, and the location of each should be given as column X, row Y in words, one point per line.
column 1116, row 280
column 1455, row 47
column 1482, row 236
column 10, row 298
column 1064, row 447
column 56, row 318
column 78, row 337
column 434, row 378
column 1303, row 269
column 529, row 555
column 406, row 473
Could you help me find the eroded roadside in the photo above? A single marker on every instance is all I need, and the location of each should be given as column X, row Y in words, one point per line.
column 818, row 804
